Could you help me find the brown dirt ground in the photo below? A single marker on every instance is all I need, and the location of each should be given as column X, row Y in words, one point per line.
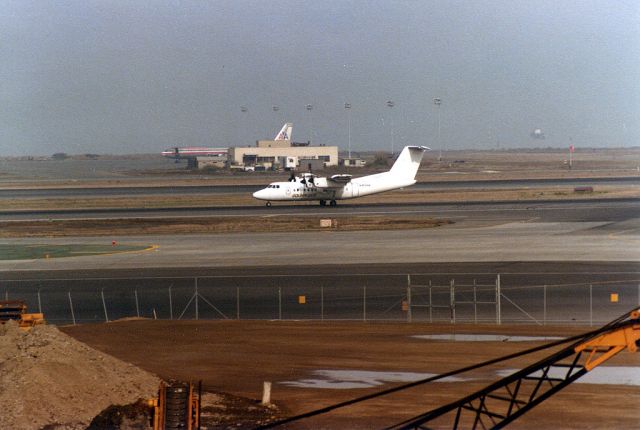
column 97, row 227
column 237, row 356
column 50, row 378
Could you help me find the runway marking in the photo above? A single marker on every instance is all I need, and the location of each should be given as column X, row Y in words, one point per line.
column 16, row 251
column 616, row 235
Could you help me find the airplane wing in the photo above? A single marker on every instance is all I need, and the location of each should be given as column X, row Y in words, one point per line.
column 334, row 182
column 341, row 179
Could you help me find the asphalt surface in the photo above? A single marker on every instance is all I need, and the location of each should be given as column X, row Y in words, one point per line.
column 571, row 210
column 223, row 189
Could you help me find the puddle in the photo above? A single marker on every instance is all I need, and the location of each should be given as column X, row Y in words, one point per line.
column 608, row 375
column 347, row 379
column 485, row 338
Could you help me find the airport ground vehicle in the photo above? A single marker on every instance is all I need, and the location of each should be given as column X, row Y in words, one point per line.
column 17, row 310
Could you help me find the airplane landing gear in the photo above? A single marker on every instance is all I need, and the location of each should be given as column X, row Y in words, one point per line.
column 268, row 204
column 333, row 203
column 323, row 202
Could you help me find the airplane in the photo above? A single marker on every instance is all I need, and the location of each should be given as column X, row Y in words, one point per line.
column 201, row 151
column 341, row 187
column 194, row 151
column 285, row 132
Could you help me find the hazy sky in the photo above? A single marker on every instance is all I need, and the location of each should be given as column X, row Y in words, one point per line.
column 141, row 76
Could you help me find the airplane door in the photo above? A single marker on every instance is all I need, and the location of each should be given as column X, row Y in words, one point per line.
column 356, row 189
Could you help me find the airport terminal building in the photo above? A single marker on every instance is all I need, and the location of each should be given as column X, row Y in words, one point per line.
column 283, row 154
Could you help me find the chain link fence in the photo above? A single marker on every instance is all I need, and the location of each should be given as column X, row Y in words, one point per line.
column 398, row 297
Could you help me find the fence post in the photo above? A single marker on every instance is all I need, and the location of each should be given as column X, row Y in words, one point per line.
column 364, row 303
column 430, row 307
column 73, row 315
column 104, row 306
column 39, row 302
column 409, row 315
column 475, row 303
column 498, row 296
column 170, row 303
column 135, row 293
column 590, row 305
column 321, row 303
column 544, row 305
column 452, row 302
column 237, row 303
column 280, row 303
column 196, row 297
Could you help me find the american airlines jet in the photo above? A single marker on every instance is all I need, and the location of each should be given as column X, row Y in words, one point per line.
column 200, row 151
column 285, row 133
column 341, row 187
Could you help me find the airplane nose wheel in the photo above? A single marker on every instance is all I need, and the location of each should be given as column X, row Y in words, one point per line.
column 332, row 203
column 268, row 204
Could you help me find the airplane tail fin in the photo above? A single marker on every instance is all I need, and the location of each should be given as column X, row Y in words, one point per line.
column 285, row 132
column 408, row 162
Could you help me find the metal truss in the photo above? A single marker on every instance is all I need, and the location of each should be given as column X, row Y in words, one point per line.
column 500, row 403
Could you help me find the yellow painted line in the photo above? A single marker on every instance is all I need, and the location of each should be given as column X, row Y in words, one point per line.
column 114, row 252
column 148, row 248
column 617, row 234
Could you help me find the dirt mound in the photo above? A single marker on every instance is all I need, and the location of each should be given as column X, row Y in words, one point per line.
column 51, row 379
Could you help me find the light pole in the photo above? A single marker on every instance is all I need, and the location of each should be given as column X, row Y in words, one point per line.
column 243, row 110
column 438, row 101
column 347, row 106
column 391, row 104
column 276, row 108
column 309, row 109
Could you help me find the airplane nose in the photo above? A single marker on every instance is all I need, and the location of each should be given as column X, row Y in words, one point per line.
column 259, row 194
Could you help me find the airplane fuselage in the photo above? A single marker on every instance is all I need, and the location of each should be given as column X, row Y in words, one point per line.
column 194, row 151
column 318, row 190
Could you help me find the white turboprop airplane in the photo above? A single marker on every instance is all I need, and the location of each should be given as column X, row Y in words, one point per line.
column 340, row 187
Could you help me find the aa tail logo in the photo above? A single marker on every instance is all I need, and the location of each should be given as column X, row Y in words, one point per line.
column 285, row 132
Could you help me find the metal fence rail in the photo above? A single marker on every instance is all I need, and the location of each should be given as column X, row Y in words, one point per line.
column 410, row 298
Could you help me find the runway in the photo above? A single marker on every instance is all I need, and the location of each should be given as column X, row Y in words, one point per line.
column 561, row 231
column 6, row 193
column 556, row 210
